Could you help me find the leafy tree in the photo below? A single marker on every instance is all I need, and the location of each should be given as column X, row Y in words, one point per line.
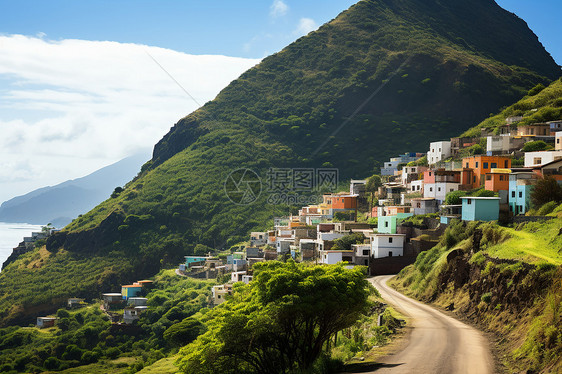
column 546, row 190
column 372, row 186
column 454, row 197
column 202, row 250
column 535, row 90
column 184, row 332
column 344, row 243
column 538, row 145
column 280, row 322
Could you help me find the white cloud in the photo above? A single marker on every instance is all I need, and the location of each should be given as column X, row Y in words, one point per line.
column 70, row 107
column 278, row 9
column 305, row 26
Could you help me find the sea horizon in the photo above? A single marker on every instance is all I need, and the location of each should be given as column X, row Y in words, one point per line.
column 11, row 234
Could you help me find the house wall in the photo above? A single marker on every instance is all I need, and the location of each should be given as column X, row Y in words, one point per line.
column 480, row 209
column 387, row 224
column 482, row 165
column 541, row 157
column 383, row 245
column 558, row 141
column 497, row 182
column 438, row 151
column 438, row 191
column 331, row 258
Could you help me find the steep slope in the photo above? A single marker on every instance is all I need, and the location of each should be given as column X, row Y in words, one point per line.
column 541, row 104
column 384, row 77
column 61, row 203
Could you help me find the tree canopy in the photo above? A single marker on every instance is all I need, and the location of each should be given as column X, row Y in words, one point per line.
column 280, row 322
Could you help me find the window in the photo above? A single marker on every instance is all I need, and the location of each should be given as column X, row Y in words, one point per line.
column 466, row 166
column 469, row 201
column 506, row 163
column 386, row 224
column 484, row 165
column 389, row 253
column 537, row 160
column 430, row 189
column 476, row 163
column 520, row 193
column 512, row 193
column 451, row 190
column 365, row 252
column 390, row 240
column 474, row 179
column 439, row 189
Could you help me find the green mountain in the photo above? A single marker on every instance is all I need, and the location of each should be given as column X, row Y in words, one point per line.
column 541, row 104
column 384, row 77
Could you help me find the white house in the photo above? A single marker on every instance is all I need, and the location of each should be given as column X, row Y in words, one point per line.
column 387, row 245
column 438, row 151
column 439, row 190
column 416, row 186
column 362, row 253
column 247, row 278
column 558, row 141
column 219, row 292
column 236, row 276
column 541, row 157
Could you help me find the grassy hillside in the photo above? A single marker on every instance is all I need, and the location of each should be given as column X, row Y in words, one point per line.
column 510, row 288
column 539, row 105
column 382, row 78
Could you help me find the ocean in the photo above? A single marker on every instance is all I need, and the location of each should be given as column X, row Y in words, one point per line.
column 11, row 234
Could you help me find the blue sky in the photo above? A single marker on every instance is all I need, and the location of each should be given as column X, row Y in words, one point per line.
column 79, row 88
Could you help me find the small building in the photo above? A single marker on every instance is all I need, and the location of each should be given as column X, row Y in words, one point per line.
column 497, row 180
column 555, row 126
column 131, row 314
column 480, row 208
column 112, row 300
column 438, row 151
column 539, row 158
column 422, row 205
column 218, row 293
column 520, row 186
column 236, row 276
column 388, row 224
column 44, row 322
column 253, row 252
column 258, row 239
column 502, row 144
column 330, row 257
column 552, row 169
column 362, row 253
column 74, row 302
column 387, row 245
column 534, row 129
column 481, row 165
column 449, row 213
column 558, row 141
column 247, row 278
column 137, row 301
column 130, row 290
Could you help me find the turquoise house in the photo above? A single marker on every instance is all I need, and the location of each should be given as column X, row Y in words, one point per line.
column 519, row 195
column 131, row 290
column 480, row 208
column 191, row 259
column 388, row 224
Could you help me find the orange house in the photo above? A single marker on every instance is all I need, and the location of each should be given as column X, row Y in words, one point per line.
column 482, row 165
column 344, row 202
column 497, row 180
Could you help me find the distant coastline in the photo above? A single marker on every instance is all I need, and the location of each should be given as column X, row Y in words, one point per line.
column 11, row 234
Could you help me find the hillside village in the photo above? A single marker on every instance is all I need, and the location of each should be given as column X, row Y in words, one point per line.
column 489, row 184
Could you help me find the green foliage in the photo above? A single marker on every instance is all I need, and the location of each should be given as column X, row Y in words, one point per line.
column 279, row 322
column 344, row 243
column 83, row 336
column 537, row 145
column 540, row 105
column 546, row 190
column 202, row 250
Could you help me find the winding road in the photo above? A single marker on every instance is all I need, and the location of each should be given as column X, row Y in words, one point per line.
column 438, row 344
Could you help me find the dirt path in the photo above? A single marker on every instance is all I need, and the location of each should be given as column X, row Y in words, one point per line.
column 438, row 344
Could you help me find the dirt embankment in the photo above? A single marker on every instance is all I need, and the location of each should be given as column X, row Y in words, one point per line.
column 518, row 303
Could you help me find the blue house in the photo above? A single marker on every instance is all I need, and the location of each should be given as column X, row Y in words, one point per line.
column 480, row 208
column 519, row 194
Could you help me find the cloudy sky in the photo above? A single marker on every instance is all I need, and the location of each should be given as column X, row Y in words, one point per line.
column 86, row 83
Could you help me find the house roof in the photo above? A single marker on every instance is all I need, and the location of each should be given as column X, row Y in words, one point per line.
column 132, row 286
column 551, row 163
column 480, row 198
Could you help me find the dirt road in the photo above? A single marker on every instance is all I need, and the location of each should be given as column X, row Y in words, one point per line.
column 438, row 344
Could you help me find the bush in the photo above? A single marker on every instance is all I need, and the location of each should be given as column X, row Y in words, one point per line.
column 538, row 145
column 487, row 297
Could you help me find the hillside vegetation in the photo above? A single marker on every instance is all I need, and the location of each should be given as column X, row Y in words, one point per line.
column 541, row 104
column 382, row 78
